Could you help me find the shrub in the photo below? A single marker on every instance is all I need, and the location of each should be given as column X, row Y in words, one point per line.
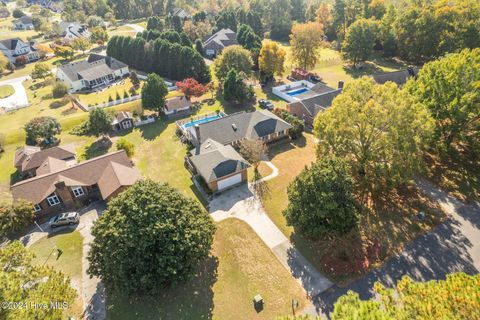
column 59, row 90
column 16, row 216
column 127, row 146
column 297, row 124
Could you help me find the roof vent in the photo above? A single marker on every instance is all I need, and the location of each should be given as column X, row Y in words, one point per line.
column 234, row 126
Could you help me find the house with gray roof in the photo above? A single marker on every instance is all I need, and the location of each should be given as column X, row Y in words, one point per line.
column 219, row 41
column 95, row 72
column 397, row 77
column 15, row 48
column 23, row 23
column 179, row 12
column 73, row 30
column 309, row 104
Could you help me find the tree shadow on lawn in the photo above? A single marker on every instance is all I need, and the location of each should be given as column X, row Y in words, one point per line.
column 190, row 300
column 368, row 68
column 284, row 145
column 230, row 108
column 152, row 130
column 97, row 148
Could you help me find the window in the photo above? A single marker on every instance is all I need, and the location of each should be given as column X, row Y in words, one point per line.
column 78, row 191
column 37, row 207
column 53, row 199
column 127, row 124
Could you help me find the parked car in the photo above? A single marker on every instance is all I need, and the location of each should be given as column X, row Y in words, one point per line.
column 265, row 104
column 66, row 218
column 315, row 78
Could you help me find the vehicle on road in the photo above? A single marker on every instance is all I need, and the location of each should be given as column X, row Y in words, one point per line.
column 66, row 218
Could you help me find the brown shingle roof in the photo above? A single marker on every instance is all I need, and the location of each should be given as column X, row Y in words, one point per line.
column 35, row 159
column 177, row 103
column 51, row 165
column 23, row 152
column 115, row 176
column 86, row 173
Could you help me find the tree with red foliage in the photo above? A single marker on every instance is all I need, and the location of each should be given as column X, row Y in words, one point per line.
column 191, row 87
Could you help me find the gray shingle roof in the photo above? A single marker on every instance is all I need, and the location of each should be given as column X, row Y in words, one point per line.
column 92, row 68
column 398, row 77
column 250, row 125
column 223, row 38
column 319, row 102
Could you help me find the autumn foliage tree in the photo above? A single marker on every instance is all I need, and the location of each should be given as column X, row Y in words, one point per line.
column 191, row 88
column 305, row 40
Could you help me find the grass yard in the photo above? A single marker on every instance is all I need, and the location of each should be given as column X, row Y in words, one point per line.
column 69, row 262
column 240, row 267
column 393, row 221
column 6, row 91
column 121, row 31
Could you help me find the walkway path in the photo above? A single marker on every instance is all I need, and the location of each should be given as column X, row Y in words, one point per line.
column 17, row 100
column 241, row 203
column 453, row 246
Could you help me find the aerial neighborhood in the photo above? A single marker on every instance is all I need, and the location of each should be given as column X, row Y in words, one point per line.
column 249, row 159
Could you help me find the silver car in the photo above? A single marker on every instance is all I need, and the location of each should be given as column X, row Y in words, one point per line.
column 66, row 218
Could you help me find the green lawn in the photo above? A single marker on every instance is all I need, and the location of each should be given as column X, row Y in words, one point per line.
column 69, row 262
column 121, row 31
column 6, row 91
column 240, row 267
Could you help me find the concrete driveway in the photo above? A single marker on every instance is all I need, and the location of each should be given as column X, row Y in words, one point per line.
column 241, row 203
column 17, row 100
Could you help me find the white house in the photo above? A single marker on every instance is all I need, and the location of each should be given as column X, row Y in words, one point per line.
column 15, row 48
column 73, row 30
column 23, row 23
column 90, row 74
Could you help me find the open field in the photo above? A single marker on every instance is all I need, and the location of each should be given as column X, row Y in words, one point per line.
column 69, row 262
column 240, row 267
column 6, row 91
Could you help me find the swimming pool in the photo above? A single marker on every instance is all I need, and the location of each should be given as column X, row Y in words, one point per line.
column 200, row 121
column 298, row 91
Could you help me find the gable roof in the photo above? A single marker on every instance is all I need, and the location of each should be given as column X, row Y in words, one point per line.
column 11, row 44
column 398, row 77
column 86, row 173
column 29, row 159
column 318, row 102
column 217, row 161
column 94, row 67
column 24, row 20
column 121, row 116
column 22, row 153
column 249, row 125
column 177, row 103
column 223, row 38
column 50, row 165
column 116, row 175
column 76, row 28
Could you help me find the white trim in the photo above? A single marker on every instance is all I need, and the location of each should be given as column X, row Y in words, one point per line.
column 78, row 191
column 37, row 207
column 53, row 200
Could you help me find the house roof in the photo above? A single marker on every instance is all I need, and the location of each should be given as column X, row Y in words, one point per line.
column 51, row 165
column 177, row 103
column 11, row 44
column 249, row 125
column 29, row 159
column 179, row 12
column 24, row 19
column 398, row 77
column 217, row 161
column 76, row 28
column 122, row 115
column 224, row 38
column 315, row 104
column 94, row 67
column 86, row 173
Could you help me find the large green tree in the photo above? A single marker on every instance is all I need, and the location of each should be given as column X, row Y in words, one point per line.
column 26, row 284
column 360, row 40
column 150, row 236
column 154, row 92
column 235, row 90
column 450, row 88
column 233, row 57
column 271, row 59
column 305, row 41
column 379, row 129
column 41, row 128
column 99, row 121
column 320, row 199
column 14, row 217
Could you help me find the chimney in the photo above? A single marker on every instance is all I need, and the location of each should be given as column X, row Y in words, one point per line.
column 197, row 133
column 340, row 84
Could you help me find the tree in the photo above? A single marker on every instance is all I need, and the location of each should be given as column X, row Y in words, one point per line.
column 248, row 39
column 233, row 57
column 359, row 41
column 155, row 23
column 81, row 44
column 191, row 87
column 27, row 283
column 59, row 90
column 16, row 216
column 17, row 13
column 199, row 46
column 4, row 13
column 134, row 79
column 64, row 52
column 41, row 129
column 253, row 151
column 271, row 59
column 98, row 35
column 379, row 130
column 41, row 71
column 3, row 63
column 99, row 121
column 450, row 88
column 127, row 146
column 324, row 16
column 305, row 40
column 234, row 88
column 95, row 21
column 150, row 236
column 297, row 124
column 154, row 92
column 320, row 199
column 456, row 297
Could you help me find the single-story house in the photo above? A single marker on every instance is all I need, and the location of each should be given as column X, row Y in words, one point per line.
column 179, row 12
column 309, row 104
column 15, row 48
column 397, row 77
column 219, row 41
column 23, row 23
column 123, row 120
column 73, row 30
column 97, row 71
column 100, row 178
column 177, row 106
column 220, row 166
column 32, row 161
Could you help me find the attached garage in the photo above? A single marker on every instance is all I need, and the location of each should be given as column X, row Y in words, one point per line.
column 228, row 182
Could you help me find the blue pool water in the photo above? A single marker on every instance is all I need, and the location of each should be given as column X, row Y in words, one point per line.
column 199, row 121
column 298, row 91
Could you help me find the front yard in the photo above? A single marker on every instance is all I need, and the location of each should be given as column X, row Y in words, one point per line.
column 240, row 267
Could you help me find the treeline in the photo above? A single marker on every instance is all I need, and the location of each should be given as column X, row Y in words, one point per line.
column 169, row 35
column 167, row 59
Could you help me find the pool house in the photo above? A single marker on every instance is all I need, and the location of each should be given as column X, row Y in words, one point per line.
column 294, row 91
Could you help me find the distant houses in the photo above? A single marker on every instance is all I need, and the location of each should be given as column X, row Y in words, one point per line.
column 23, row 23
column 219, row 41
column 73, row 30
column 179, row 12
column 95, row 72
column 18, row 51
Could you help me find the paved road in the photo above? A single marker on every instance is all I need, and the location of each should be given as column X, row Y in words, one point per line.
column 17, row 100
column 241, row 203
column 453, row 246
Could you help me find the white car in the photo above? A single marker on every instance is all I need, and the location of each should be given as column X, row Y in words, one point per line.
column 66, row 218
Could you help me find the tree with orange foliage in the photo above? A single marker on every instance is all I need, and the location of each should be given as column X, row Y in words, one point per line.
column 306, row 39
column 191, row 87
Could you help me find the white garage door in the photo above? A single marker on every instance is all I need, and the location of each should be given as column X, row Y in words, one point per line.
column 225, row 183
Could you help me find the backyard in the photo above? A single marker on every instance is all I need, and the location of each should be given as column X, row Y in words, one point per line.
column 240, row 267
column 6, row 91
